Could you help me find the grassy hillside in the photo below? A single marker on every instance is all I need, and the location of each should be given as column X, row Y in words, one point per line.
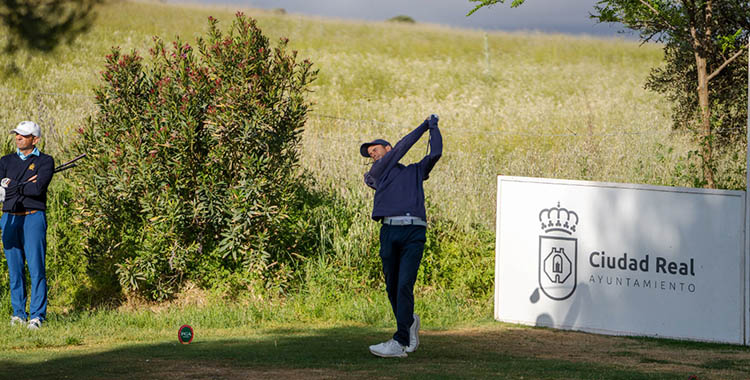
column 514, row 104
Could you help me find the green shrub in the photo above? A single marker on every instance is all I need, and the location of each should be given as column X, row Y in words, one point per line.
column 460, row 259
column 402, row 18
column 65, row 261
column 193, row 165
column 345, row 253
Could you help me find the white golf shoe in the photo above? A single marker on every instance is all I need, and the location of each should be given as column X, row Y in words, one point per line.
column 17, row 321
column 389, row 349
column 413, row 335
column 35, row 324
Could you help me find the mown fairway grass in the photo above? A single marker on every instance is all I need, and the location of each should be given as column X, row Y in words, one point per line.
column 143, row 344
column 529, row 105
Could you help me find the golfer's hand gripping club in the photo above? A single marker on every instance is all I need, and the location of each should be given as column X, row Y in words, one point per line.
column 432, row 122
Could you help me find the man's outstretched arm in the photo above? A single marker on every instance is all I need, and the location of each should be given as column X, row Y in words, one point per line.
column 436, row 149
column 399, row 150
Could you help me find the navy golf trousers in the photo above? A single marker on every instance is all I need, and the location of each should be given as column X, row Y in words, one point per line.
column 401, row 250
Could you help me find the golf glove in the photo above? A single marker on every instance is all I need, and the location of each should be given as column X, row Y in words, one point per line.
column 5, row 182
column 2, row 194
column 432, row 122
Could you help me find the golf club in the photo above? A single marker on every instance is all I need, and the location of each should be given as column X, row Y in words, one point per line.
column 69, row 164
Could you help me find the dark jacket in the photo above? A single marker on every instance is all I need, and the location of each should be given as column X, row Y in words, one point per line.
column 398, row 188
column 20, row 196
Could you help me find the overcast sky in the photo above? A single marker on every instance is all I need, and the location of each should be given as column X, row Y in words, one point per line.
column 555, row 16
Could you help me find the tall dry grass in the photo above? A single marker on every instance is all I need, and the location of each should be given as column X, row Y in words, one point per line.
column 528, row 105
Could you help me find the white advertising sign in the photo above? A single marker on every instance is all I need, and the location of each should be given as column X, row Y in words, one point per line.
column 621, row 259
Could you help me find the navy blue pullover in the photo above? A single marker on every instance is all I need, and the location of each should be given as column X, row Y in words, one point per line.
column 20, row 196
column 398, row 188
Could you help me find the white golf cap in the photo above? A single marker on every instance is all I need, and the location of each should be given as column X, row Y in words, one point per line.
column 26, row 128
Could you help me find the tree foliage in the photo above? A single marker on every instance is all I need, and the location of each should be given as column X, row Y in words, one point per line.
column 487, row 3
column 193, row 163
column 42, row 25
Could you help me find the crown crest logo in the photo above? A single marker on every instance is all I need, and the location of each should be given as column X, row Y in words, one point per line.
column 558, row 219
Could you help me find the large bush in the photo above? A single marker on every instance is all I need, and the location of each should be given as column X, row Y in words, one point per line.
column 192, row 171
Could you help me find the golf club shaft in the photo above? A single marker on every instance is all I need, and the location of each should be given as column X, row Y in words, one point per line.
column 69, row 164
column 61, row 168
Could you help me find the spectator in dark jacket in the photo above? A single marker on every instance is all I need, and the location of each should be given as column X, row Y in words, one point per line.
column 399, row 206
column 26, row 174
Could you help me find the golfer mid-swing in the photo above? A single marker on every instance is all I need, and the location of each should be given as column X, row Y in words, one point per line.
column 399, row 206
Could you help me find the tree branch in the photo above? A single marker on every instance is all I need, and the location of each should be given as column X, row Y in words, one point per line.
column 658, row 14
column 728, row 61
column 709, row 18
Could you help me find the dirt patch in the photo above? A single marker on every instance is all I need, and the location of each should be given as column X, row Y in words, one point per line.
column 171, row 369
column 706, row 362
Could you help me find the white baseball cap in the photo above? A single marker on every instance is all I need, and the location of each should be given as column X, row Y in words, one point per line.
column 26, row 128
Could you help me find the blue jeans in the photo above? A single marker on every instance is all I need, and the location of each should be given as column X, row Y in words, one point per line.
column 25, row 239
column 401, row 250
